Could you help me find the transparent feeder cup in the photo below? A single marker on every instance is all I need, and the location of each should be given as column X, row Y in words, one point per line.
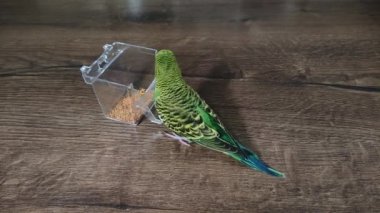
column 123, row 81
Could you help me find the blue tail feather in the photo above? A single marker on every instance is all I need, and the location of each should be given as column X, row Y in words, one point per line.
column 254, row 162
column 259, row 165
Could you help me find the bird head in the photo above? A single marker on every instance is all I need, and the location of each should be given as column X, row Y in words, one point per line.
column 166, row 67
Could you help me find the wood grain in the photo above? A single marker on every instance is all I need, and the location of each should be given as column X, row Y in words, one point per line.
column 297, row 81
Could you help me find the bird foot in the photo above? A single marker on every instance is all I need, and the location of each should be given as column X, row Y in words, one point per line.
column 178, row 138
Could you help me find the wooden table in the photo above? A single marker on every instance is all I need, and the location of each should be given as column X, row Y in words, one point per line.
column 297, row 81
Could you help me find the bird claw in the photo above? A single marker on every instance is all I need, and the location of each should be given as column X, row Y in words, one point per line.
column 178, row 138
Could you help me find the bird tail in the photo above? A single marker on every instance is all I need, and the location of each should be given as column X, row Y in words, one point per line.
column 253, row 161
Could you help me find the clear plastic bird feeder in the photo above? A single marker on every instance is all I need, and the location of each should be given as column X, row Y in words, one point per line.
column 123, row 81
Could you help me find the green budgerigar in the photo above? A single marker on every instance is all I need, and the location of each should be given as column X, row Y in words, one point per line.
column 191, row 120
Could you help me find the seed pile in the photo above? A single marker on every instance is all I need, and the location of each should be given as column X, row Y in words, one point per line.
column 125, row 110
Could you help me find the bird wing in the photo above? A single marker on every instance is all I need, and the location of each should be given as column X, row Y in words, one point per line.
column 223, row 141
column 194, row 120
